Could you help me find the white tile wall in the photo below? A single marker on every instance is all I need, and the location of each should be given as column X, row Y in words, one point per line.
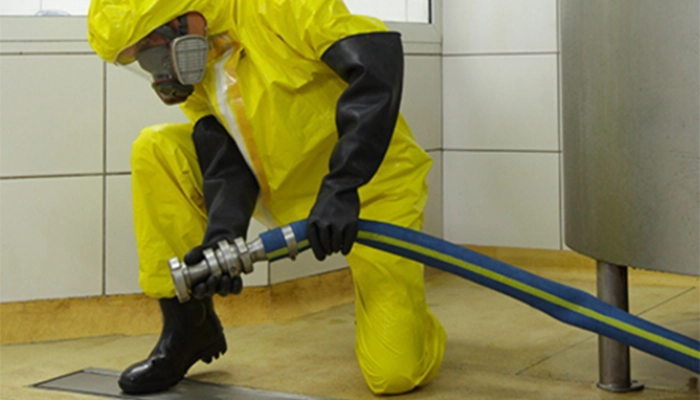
column 499, row 26
column 496, row 102
column 51, row 238
column 19, row 7
column 418, row 11
column 422, row 99
column 562, row 204
column 131, row 105
column 502, row 199
column 388, row 10
column 31, row 7
column 51, row 109
column 501, row 166
column 33, row 35
column 72, row 7
column 422, row 108
column 434, row 209
column 121, row 257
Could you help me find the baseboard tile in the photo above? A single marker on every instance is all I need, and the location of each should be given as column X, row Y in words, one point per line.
column 72, row 318
column 136, row 314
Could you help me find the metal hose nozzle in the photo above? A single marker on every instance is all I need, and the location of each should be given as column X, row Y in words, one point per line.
column 226, row 258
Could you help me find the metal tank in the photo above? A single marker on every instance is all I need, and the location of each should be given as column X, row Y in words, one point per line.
column 630, row 83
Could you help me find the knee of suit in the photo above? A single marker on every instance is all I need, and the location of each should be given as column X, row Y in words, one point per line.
column 399, row 361
column 408, row 366
column 147, row 139
column 144, row 147
column 389, row 380
column 162, row 139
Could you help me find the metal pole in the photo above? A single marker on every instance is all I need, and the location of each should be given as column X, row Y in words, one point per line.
column 613, row 356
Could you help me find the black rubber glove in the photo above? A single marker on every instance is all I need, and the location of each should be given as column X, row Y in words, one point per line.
column 366, row 116
column 223, row 285
column 230, row 193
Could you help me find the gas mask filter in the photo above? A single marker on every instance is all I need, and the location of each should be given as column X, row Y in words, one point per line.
column 177, row 65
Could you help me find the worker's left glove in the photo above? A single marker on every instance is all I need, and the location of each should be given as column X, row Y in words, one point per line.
column 366, row 115
column 332, row 224
column 230, row 192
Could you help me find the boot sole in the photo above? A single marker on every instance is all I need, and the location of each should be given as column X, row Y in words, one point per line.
column 213, row 351
column 216, row 349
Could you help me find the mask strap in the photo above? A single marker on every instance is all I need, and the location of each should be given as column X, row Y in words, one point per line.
column 184, row 28
column 167, row 32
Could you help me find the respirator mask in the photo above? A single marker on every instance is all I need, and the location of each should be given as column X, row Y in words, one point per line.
column 176, row 65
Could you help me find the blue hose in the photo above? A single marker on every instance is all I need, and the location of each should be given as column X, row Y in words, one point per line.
column 569, row 305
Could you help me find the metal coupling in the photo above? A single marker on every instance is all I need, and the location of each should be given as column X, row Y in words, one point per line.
column 226, row 258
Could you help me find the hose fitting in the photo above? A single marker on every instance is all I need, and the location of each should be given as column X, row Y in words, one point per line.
column 226, row 258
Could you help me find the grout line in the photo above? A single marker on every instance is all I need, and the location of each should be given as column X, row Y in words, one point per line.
column 431, row 20
column 489, row 54
column 560, row 128
column 45, row 40
column 82, row 175
column 593, row 336
column 441, row 152
column 665, row 301
column 104, row 179
column 562, row 217
column 422, row 54
column 501, row 151
column 554, row 354
column 46, row 53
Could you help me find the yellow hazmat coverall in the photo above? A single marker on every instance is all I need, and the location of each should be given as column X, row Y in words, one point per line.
column 267, row 85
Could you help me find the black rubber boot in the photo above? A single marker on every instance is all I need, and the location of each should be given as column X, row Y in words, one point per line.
column 191, row 332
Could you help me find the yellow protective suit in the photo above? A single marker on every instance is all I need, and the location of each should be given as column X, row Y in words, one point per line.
column 266, row 83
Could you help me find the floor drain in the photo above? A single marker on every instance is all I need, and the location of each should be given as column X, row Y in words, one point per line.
column 99, row 382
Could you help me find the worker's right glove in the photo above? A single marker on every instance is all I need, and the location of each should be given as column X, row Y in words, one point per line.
column 223, row 285
column 230, row 192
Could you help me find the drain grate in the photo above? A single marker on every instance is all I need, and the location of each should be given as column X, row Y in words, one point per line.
column 100, row 382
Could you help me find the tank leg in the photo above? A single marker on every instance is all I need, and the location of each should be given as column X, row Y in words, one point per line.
column 613, row 356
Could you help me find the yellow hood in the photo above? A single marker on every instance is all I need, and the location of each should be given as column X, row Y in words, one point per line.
column 114, row 25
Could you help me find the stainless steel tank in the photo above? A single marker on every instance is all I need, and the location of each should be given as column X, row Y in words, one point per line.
column 630, row 79
column 631, row 131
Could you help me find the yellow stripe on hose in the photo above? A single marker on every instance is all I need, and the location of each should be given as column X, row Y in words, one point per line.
column 531, row 290
column 278, row 253
column 284, row 250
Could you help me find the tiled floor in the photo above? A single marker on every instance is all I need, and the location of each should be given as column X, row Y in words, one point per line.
column 497, row 348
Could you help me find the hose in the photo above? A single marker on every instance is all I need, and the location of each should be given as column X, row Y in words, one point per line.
column 567, row 304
